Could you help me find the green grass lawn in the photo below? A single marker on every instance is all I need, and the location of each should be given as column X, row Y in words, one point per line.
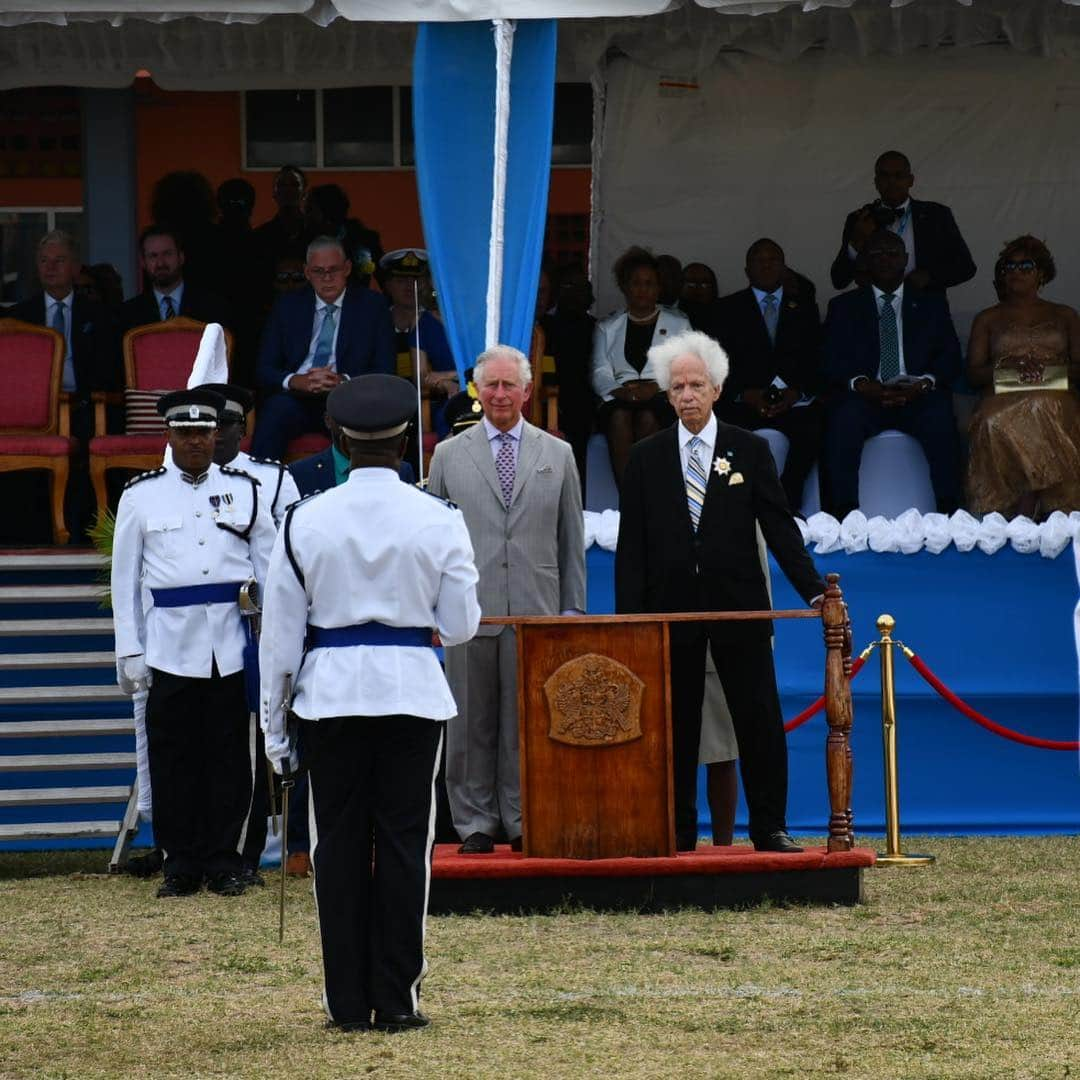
column 969, row 968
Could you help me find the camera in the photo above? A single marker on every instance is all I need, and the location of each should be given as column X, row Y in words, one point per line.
column 773, row 395
column 883, row 215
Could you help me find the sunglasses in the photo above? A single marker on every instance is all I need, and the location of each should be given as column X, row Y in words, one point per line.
column 1024, row 266
column 289, row 275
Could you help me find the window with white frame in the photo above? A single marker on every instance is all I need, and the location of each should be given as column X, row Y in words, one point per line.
column 370, row 127
column 21, row 227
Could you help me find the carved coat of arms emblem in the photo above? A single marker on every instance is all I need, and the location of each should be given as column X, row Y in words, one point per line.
column 594, row 701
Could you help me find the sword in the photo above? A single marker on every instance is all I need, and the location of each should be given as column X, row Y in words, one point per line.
column 419, row 389
column 248, row 601
column 286, row 786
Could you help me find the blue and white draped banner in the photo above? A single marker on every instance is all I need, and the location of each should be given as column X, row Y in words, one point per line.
column 484, row 185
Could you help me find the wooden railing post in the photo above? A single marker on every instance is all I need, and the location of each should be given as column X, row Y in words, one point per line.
column 838, row 712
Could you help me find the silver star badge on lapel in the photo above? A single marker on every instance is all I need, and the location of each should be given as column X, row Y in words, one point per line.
column 722, row 466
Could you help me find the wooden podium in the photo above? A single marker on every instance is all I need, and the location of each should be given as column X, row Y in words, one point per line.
column 594, row 715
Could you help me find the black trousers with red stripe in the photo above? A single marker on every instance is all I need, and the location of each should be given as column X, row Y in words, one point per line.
column 371, row 791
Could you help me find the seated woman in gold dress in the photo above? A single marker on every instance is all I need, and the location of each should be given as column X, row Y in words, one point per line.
column 1025, row 445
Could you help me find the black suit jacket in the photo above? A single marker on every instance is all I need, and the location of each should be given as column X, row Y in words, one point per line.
column 196, row 303
column 95, row 346
column 852, row 344
column 940, row 250
column 755, row 360
column 365, row 340
column 661, row 564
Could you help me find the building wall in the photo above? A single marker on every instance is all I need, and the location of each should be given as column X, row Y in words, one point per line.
column 195, row 130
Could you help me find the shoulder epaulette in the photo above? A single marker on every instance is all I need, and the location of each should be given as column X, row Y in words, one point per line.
column 148, row 475
column 266, row 461
column 286, row 529
column 228, row 470
column 438, row 498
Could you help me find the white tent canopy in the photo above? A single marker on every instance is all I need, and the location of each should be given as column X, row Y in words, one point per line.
column 251, row 44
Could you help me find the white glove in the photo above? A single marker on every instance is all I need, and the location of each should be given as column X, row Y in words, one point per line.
column 132, row 674
column 288, row 764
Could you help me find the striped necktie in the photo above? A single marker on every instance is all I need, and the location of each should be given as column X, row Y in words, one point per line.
column 695, row 482
column 770, row 310
column 324, row 347
column 168, row 308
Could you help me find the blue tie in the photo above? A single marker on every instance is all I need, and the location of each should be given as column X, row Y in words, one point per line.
column 696, row 482
column 324, row 347
column 67, row 381
column 770, row 311
column 168, row 308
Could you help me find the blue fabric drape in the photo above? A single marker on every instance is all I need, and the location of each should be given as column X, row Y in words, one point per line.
column 454, row 123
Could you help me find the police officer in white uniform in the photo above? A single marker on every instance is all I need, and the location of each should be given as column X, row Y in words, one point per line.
column 360, row 577
column 278, row 490
column 188, row 535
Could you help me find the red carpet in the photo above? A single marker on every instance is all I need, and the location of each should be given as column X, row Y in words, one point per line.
column 504, row 863
column 709, row 878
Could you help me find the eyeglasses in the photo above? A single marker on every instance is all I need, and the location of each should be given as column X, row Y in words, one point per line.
column 324, row 272
column 289, row 275
column 1023, row 266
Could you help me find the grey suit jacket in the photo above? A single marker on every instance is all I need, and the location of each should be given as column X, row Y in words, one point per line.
column 531, row 558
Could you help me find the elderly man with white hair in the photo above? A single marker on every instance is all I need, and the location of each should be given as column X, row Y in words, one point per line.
column 691, row 497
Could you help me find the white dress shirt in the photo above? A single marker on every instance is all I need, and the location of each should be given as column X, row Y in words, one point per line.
column 370, row 550
column 316, row 328
column 68, row 377
column 168, row 536
column 705, row 453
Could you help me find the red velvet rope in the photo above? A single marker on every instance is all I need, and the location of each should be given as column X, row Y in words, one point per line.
column 982, row 721
column 813, row 710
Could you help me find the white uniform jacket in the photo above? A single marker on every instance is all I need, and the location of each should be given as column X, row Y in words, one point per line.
column 278, row 491
column 370, row 550
column 172, row 533
column 609, row 365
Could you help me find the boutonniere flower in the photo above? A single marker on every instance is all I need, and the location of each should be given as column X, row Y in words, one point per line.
column 735, row 478
column 722, row 466
column 792, row 304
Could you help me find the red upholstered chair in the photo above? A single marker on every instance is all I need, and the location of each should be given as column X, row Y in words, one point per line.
column 157, row 357
column 34, row 426
column 306, row 445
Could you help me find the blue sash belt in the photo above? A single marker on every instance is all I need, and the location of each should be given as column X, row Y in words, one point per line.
column 224, row 592
column 369, row 633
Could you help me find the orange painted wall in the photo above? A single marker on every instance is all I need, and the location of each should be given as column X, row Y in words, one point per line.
column 203, row 131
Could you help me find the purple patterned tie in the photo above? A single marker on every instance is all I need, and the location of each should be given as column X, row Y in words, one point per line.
column 504, row 466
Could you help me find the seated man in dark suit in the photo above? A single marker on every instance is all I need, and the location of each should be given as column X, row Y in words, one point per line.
column 937, row 257
column 313, row 338
column 891, row 354
column 772, row 336
column 170, row 295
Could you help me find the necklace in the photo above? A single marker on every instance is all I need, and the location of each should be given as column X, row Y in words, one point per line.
column 644, row 318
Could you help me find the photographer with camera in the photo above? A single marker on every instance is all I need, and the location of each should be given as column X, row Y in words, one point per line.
column 771, row 332
column 937, row 256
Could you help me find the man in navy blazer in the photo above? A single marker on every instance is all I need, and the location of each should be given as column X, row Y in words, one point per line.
column 937, row 256
column 315, row 338
column 891, row 355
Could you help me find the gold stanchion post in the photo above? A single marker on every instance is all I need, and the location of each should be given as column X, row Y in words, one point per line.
column 893, row 855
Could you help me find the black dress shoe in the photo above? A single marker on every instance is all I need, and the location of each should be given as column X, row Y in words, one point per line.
column 395, row 1022
column 515, row 844
column 686, row 841
column 477, row 843
column 777, row 841
column 348, row 1025
column 250, row 876
column 178, row 885
column 226, row 884
column 146, row 865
